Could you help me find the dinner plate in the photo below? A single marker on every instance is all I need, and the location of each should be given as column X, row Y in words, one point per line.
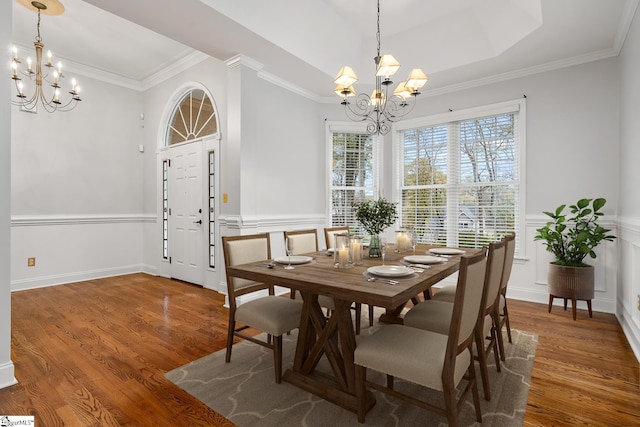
column 295, row 259
column 424, row 259
column 390, row 270
column 446, row 251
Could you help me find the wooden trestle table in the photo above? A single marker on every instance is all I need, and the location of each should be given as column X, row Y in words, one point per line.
column 335, row 336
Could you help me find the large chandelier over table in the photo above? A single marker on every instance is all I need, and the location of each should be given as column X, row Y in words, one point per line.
column 381, row 108
column 52, row 75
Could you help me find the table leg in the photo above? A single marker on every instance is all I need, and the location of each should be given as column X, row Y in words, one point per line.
column 319, row 336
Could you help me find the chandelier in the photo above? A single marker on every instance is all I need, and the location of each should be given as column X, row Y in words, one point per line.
column 52, row 75
column 379, row 109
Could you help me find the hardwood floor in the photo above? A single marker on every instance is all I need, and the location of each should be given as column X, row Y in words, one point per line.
column 94, row 354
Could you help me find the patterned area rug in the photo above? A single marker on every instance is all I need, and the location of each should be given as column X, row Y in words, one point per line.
column 244, row 390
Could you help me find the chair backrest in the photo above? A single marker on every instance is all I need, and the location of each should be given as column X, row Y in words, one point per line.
column 242, row 250
column 467, row 303
column 303, row 241
column 510, row 241
column 330, row 235
column 493, row 275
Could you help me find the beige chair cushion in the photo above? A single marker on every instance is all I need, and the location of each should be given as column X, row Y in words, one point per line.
column 243, row 252
column 446, row 293
column 303, row 243
column 273, row 315
column 412, row 354
column 430, row 315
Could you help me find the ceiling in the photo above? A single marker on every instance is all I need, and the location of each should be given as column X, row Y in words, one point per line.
column 304, row 43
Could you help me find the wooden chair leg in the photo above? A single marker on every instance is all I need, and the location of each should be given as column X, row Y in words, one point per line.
column 358, row 319
column 360, row 377
column 506, row 316
column 230, row 334
column 482, row 359
column 277, row 357
column 370, row 315
column 474, row 391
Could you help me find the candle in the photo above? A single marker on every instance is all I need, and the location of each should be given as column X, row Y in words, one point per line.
column 357, row 252
column 343, row 257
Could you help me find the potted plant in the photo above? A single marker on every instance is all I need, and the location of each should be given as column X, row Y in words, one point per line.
column 375, row 216
column 571, row 240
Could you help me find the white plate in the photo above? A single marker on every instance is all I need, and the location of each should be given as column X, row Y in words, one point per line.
column 390, row 270
column 424, row 259
column 295, row 259
column 446, row 251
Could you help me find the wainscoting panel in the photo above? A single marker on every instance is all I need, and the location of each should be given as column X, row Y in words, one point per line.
column 628, row 302
column 74, row 248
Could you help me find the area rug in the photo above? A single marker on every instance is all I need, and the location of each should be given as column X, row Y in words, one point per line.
column 244, row 390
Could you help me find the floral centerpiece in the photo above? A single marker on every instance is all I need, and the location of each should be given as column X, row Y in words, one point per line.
column 375, row 216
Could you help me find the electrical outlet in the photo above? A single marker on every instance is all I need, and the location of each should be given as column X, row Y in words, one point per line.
column 31, row 262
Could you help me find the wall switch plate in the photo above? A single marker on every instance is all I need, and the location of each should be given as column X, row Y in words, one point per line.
column 31, row 262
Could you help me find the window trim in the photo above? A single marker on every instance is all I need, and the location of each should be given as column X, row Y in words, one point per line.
column 506, row 107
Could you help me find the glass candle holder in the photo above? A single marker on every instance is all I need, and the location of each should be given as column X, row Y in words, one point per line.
column 355, row 247
column 403, row 241
column 341, row 253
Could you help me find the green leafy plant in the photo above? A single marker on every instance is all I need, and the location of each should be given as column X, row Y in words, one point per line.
column 376, row 215
column 572, row 239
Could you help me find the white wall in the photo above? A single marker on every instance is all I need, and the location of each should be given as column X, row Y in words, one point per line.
column 77, row 188
column 6, row 365
column 628, row 265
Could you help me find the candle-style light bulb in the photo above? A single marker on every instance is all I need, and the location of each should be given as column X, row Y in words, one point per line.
column 29, row 62
column 14, row 49
column 55, row 78
column 56, row 97
column 49, row 58
column 59, row 69
column 20, row 89
column 14, row 70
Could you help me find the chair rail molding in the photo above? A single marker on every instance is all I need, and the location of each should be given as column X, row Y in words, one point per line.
column 48, row 220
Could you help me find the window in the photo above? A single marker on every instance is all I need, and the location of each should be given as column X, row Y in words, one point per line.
column 165, row 209
column 212, row 209
column 459, row 175
column 192, row 118
column 353, row 171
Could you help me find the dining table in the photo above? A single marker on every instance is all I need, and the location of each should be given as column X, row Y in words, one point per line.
column 333, row 335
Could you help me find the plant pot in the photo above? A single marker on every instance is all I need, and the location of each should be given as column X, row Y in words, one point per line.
column 574, row 283
column 374, row 246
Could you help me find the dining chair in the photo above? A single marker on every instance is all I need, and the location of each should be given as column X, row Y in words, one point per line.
column 330, row 235
column 271, row 314
column 433, row 360
column 510, row 241
column 305, row 241
column 435, row 315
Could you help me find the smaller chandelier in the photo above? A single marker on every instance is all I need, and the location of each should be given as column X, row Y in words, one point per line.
column 52, row 75
column 380, row 108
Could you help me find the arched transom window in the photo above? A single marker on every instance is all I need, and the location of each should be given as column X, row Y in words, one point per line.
column 194, row 117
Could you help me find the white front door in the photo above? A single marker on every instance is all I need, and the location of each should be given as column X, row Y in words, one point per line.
column 185, row 213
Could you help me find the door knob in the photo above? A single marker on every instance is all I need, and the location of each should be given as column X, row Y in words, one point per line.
column 198, row 221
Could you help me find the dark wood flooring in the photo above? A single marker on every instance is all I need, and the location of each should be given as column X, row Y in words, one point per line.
column 95, row 353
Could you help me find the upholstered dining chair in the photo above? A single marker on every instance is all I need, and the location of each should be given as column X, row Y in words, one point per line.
column 435, row 315
column 330, row 235
column 510, row 241
column 433, row 360
column 305, row 241
column 271, row 314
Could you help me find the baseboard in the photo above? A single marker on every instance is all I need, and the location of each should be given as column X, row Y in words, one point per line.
column 80, row 276
column 7, row 377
